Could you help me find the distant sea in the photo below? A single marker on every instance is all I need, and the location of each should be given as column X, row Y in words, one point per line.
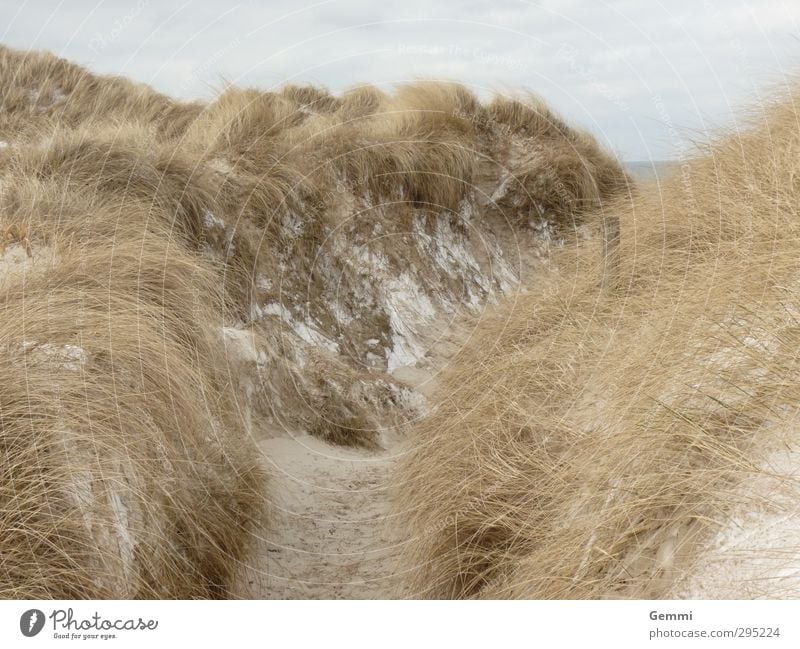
column 650, row 169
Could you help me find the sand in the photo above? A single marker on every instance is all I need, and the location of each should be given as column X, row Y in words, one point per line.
column 329, row 533
column 329, row 537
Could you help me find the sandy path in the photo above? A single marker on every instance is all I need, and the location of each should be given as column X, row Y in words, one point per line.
column 329, row 537
column 329, row 534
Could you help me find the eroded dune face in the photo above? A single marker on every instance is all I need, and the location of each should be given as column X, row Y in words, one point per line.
column 637, row 440
column 348, row 228
column 185, row 272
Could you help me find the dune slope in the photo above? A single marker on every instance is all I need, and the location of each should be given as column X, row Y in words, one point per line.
column 626, row 428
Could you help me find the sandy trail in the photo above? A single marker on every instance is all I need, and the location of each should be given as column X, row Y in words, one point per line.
column 329, row 536
column 329, row 533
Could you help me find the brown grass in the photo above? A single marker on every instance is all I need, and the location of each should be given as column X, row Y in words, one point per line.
column 421, row 145
column 361, row 102
column 124, row 165
column 138, row 225
column 588, row 442
column 40, row 90
column 427, row 149
column 564, row 175
column 125, row 472
column 317, row 100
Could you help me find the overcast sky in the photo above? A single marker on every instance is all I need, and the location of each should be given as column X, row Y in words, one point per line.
column 645, row 76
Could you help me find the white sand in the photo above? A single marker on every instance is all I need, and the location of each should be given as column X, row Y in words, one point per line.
column 756, row 551
column 328, row 536
column 328, row 533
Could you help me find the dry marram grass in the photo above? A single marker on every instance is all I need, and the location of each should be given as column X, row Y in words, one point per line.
column 591, row 442
column 171, row 272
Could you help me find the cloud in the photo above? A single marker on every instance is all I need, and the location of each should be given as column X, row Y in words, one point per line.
column 643, row 76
